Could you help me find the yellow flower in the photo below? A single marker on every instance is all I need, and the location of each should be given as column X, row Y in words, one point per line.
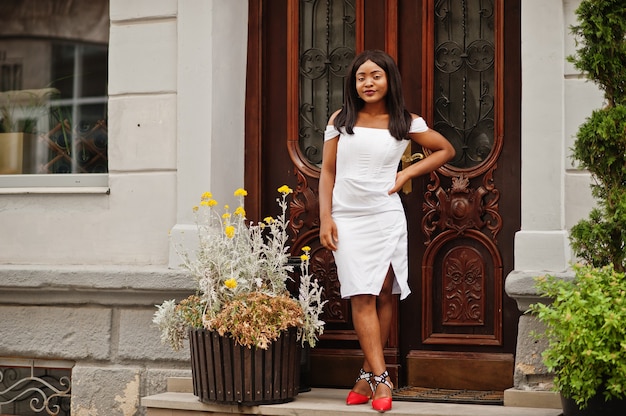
column 268, row 220
column 241, row 192
column 226, row 215
column 195, row 208
column 229, row 231
column 211, row 202
column 306, row 249
column 205, row 203
column 304, row 257
column 230, row 283
column 206, row 196
column 240, row 211
column 226, row 207
column 285, row 190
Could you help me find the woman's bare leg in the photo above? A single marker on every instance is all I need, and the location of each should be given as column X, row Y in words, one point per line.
column 371, row 316
column 384, row 307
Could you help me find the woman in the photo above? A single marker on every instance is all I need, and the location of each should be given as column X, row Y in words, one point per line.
column 362, row 218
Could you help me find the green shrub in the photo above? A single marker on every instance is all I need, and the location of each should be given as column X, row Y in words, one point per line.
column 601, row 40
column 586, row 332
column 600, row 145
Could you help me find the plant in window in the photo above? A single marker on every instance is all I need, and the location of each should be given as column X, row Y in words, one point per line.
column 20, row 113
column 21, row 110
column 241, row 271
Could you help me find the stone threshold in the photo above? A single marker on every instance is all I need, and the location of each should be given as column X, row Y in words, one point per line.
column 329, row 401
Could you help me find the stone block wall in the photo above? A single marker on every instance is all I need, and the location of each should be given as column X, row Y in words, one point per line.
column 106, row 331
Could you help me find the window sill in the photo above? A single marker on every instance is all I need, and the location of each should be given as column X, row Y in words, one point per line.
column 55, row 184
column 57, row 190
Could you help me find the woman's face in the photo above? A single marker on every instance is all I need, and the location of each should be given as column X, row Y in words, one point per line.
column 371, row 82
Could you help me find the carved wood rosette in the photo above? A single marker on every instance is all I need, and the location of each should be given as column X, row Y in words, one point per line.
column 462, row 266
column 461, row 208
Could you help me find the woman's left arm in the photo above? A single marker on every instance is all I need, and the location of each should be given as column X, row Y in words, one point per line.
column 441, row 152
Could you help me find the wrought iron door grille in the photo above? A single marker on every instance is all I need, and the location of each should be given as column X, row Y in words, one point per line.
column 327, row 46
column 464, row 83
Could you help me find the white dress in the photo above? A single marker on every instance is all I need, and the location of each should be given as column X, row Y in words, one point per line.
column 371, row 224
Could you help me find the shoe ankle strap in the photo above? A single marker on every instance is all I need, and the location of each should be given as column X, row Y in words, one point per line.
column 382, row 379
column 367, row 376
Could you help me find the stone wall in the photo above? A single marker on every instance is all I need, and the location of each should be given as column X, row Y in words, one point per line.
column 99, row 318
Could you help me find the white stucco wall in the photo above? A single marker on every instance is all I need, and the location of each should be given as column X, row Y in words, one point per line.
column 555, row 101
column 129, row 225
column 176, row 129
column 212, row 44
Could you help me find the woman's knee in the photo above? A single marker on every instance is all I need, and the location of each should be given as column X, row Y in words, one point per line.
column 362, row 302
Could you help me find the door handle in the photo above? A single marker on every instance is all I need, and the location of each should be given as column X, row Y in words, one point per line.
column 408, row 159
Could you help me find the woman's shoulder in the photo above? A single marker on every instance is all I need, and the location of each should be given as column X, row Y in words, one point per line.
column 331, row 132
column 418, row 124
column 331, row 120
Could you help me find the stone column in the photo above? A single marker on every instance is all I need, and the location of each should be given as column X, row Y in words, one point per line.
column 541, row 245
column 212, row 52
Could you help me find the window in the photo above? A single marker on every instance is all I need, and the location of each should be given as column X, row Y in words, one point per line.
column 53, row 94
column 59, row 101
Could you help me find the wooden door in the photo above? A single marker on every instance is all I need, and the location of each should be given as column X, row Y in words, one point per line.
column 461, row 219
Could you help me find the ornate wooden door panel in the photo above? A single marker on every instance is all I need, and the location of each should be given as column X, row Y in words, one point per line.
column 470, row 207
column 461, row 219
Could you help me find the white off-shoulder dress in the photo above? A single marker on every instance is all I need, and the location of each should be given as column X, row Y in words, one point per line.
column 371, row 224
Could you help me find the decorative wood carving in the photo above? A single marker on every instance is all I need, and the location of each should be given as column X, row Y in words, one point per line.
column 463, row 297
column 304, row 207
column 459, row 274
column 324, row 269
column 304, row 224
column 461, row 207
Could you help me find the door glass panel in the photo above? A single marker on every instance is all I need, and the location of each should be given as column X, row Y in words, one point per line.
column 465, row 78
column 327, row 45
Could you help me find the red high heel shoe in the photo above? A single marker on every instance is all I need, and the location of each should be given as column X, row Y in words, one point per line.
column 358, row 398
column 384, row 403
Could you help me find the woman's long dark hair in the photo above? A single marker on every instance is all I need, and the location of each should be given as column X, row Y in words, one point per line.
column 399, row 116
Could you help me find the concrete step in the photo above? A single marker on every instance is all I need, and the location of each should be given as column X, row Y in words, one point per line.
column 330, row 402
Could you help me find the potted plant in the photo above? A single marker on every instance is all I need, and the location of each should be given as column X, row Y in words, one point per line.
column 587, row 341
column 244, row 327
column 20, row 112
column 584, row 319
